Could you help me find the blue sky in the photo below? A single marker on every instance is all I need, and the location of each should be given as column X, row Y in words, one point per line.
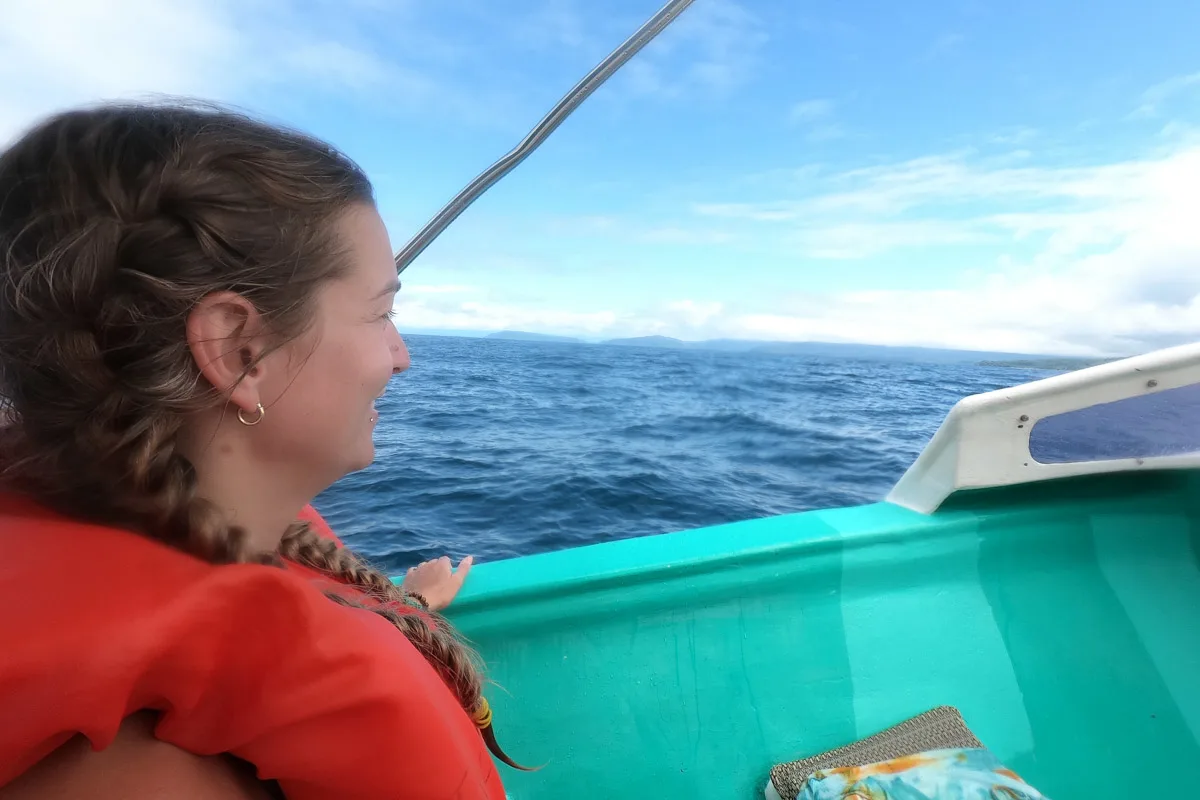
column 996, row 175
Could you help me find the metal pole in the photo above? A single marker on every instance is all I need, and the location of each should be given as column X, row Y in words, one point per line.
column 592, row 81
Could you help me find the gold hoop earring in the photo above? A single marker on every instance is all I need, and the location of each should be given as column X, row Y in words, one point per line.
column 241, row 415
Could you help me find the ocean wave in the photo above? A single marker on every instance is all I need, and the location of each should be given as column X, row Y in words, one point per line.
column 500, row 449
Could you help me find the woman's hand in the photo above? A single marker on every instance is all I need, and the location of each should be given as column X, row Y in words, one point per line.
column 436, row 581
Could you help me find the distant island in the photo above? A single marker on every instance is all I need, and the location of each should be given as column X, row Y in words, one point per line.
column 833, row 350
column 839, row 350
column 1065, row 364
column 525, row 336
column 648, row 341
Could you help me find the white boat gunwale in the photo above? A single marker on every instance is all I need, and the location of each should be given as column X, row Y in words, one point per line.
column 984, row 440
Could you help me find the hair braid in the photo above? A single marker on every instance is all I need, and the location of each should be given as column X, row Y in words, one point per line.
column 429, row 632
column 110, row 402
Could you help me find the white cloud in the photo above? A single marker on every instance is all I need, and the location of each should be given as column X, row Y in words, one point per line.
column 1156, row 96
column 1068, row 260
column 67, row 52
column 337, row 64
column 816, row 117
column 713, row 47
column 944, row 45
column 556, row 22
column 1142, row 295
column 695, row 314
column 857, row 240
column 439, row 313
column 899, row 187
column 1020, row 134
column 809, row 110
column 757, row 212
column 448, row 288
column 941, row 181
column 64, row 53
column 1116, row 266
column 586, row 224
column 685, row 236
column 1096, row 306
column 436, row 311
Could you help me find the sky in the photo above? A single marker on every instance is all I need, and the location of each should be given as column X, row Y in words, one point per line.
column 1019, row 176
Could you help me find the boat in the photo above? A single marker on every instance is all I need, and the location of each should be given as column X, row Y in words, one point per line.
column 1052, row 603
column 1037, row 568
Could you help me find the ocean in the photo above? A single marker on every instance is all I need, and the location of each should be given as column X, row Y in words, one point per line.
column 500, row 448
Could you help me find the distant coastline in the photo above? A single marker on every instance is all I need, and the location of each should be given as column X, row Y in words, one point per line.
column 525, row 336
column 838, row 350
column 1065, row 364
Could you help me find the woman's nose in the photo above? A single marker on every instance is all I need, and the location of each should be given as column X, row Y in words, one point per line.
column 400, row 358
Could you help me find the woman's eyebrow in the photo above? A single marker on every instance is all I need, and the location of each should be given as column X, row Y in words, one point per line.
column 391, row 288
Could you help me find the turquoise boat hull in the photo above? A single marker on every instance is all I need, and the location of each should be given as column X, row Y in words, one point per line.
column 1059, row 617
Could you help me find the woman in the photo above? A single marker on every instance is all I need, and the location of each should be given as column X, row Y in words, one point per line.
column 195, row 324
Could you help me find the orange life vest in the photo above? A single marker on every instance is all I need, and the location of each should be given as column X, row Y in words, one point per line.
column 331, row 701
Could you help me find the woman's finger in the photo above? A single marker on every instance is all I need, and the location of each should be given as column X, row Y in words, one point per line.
column 464, row 567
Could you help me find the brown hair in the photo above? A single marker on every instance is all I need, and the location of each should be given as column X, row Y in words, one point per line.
column 114, row 223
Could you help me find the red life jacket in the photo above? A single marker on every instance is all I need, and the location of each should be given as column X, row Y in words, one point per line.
column 330, row 701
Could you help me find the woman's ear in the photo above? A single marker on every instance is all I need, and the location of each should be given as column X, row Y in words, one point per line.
column 226, row 335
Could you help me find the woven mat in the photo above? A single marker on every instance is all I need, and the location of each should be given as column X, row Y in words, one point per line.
column 939, row 729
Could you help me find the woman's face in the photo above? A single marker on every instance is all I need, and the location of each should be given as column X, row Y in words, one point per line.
column 320, row 392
